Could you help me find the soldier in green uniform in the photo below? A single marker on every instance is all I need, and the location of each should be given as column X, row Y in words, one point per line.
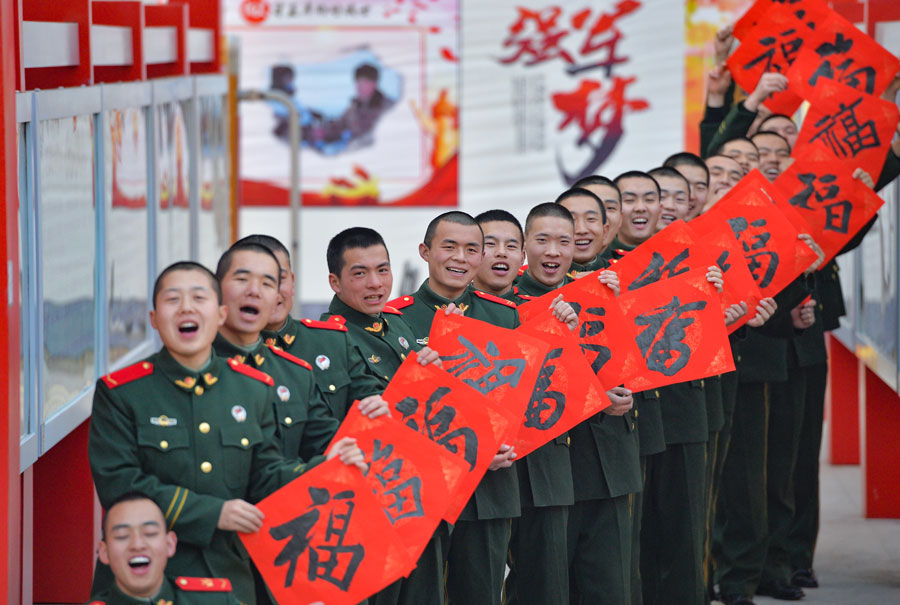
column 606, row 190
column 359, row 273
column 695, row 171
column 340, row 375
column 195, row 432
column 136, row 546
column 504, row 252
column 591, row 231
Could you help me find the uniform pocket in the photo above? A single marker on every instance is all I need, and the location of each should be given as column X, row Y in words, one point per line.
column 238, row 443
column 290, row 419
column 164, row 451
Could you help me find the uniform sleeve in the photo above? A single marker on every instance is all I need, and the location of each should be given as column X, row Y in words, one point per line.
column 889, row 171
column 362, row 384
column 736, row 124
column 116, row 468
column 319, row 429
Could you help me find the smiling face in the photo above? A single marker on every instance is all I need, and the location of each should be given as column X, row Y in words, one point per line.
column 724, row 173
column 640, row 209
column 453, row 258
column 187, row 316
column 250, row 291
column 698, row 181
column 137, row 547
column 783, row 126
column 366, row 279
column 673, row 200
column 549, row 246
column 285, row 293
column 590, row 230
column 613, row 204
column 743, row 152
column 774, row 154
column 503, row 255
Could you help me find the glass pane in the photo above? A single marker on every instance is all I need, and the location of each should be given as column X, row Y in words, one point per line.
column 126, row 229
column 65, row 164
column 173, row 157
column 214, row 222
column 21, row 166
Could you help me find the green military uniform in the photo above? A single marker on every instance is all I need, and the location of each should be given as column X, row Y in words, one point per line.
column 478, row 544
column 538, row 557
column 735, row 124
column 712, row 118
column 598, row 262
column 340, row 375
column 383, row 342
column 181, row 591
column 304, row 424
column 191, row 441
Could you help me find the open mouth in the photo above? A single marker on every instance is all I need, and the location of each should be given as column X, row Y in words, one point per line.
column 667, row 218
column 639, row 222
column 373, row 299
column 140, row 563
column 771, row 173
column 583, row 243
column 188, row 327
column 456, row 271
column 550, row 267
column 500, row 267
column 250, row 310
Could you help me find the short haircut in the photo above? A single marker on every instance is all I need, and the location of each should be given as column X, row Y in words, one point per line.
column 242, row 244
column 772, row 117
column 772, row 134
column 497, row 215
column 668, row 172
column 187, row 265
column 129, row 497
column 366, row 70
column 686, row 158
column 637, row 174
column 553, row 209
column 348, row 239
column 577, row 191
column 732, row 139
column 272, row 243
column 593, row 179
column 719, row 155
column 454, row 216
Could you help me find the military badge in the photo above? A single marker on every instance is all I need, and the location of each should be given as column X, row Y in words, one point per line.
column 422, row 341
column 239, row 413
column 323, row 362
column 403, row 342
column 375, row 327
column 163, row 421
column 374, row 358
column 283, row 393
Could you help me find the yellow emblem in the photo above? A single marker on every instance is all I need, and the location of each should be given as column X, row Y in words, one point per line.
column 289, row 339
column 187, row 383
column 209, row 379
column 374, row 358
column 163, row 602
column 463, row 307
column 239, row 358
column 259, row 359
column 375, row 327
column 207, row 582
column 271, row 342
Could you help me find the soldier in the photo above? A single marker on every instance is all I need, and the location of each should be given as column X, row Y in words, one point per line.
column 742, row 150
column 674, row 193
column 774, row 154
column 603, row 188
column 694, row 170
column 136, row 546
column 591, row 230
column 195, row 432
column 359, row 273
column 503, row 252
column 340, row 375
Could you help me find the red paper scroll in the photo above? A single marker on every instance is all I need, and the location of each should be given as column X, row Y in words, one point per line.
column 412, row 476
column 809, row 11
column 430, row 401
column 566, row 391
column 605, row 338
column 325, row 538
column 679, row 330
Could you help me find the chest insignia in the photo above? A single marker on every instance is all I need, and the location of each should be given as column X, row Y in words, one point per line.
column 239, row 413
column 163, row 421
column 374, row 358
column 323, row 362
column 209, row 379
column 403, row 342
column 271, row 342
column 289, row 339
column 284, row 393
column 259, row 359
column 422, row 341
column 239, row 358
column 375, row 327
column 187, row 382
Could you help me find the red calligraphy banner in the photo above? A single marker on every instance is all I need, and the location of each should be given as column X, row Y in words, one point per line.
column 809, row 11
column 325, row 538
column 412, row 476
column 849, row 125
column 834, row 204
column 566, row 391
column 678, row 327
column 605, row 338
column 455, row 416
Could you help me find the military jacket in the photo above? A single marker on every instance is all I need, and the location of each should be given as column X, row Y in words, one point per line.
column 598, row 262
column 190, row 441
column 304, row 425
column 497, row 496
column 340, row 374
column 382, row 342
column 715, row 413
column 181, row 591
column 545, row 475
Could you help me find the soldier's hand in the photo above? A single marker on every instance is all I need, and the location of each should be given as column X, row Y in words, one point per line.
column 764, row 311
column 803, row 316
column 238, row 515
column 820, row 255
column 717, row 82
column 452, row 309
column 611, row 279
column 865, row 177
column 770, row 82
column 564, row 312
column 428, row 355
column 374, row 406
column 503, row 458
column 735, row 312
column 349, row 453
column 714, row 276
column 622, row 401
column 723, row 42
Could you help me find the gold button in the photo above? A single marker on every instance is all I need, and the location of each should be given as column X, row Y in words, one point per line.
column 739, row 358
column 657, row 393
column 164, row 444
column 330, row 387
column 288, row 420
column 245, row 442
column 145, row 365
column 568, row 440
column 206, row 467
column 204, row 427
column 386, row 378
column 182, row 581
column 198, row 389
column 702, row 383
column 635, row 413
column 632, row 426
column 402, row 356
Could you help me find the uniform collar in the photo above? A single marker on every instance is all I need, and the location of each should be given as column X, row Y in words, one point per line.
column 165, row 596
column 376, row 324
column 427, row 296
column 285, row 336
column 532, row 287
column 186, row 379
column 254, row 357
column 617, row 244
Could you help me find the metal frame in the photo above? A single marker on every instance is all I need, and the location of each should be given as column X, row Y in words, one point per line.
column 40, row 434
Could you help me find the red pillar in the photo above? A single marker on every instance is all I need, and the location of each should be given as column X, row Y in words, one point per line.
column 843, row 422
column 881, row 465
